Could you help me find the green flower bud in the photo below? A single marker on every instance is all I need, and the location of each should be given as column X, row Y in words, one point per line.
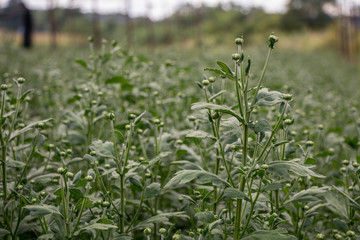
column 309, row 143
column 140, row 131
column 320, row 236
column 156, row 93
column 32, row 181
column 63, row 154
column 192, row 234
column 236, row 57
column 306, row 207
column 89, row 178
column 93, row 153
column 331, row 151
column 69, row 175
column 288, row 185
column 42, row 193
column 179, row 142
column 147, row 231
column 148, row 175
column 105, row 204
column 345, row 162
column 111, row 116
column 293, row 133
column 264, row 166
column 221, row 167
column 212, row 79
column 55, row 180
column 338, row 236
column 4, row 87
column 176, row 237
column 162, row 231
column 288, row 121
column 239, row 41
column 320, row 127
column 132, row 116
column 20, row 80
column 191, row 118
column 33, row 200
column 107, row 166
column 350, row 233
column 86, row 90
column 69, row 151
column 60, row 170
column 205, row 82
column 355, row 164
column 272, row 40
column 342, row 170
column 287, row 97
column 100, row 93
column 20, row 186
column 128, row 127
column 156, row 121
column 40, row 125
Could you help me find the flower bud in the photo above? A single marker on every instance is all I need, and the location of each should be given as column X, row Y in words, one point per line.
column 162, row 231
column 264, row 166
column 236, row 56
column 179, row 142
column 69, row 175
column 345, row 162
column 350, row 233
column 128, row 127
column 60, row 170
column 287, row 97
column 176, row 237
column 105, row 204
column 132, row 116
column 63, row 154
column 338, row 236
column 107, row 166
column 4, row 87
column 69, row 151
column 355, row 164
column 320, row 236
column 342, row 169
column 212, row 79
column 157, row 121
column 33, row 200
column 191, row 118
column 239, row 41
column 288, row 121
column 91, row 39
column 40, row 125
column 42, row 193
column 32, row 181
column 89, row 178
column 306, row 207
column 288, row 185
column 309, row 143
column 111, row 116
column 20, row 80
column 272, row 40
column 147, row 231
column 205, row 82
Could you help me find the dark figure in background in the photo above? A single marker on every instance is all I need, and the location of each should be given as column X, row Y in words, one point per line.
column 28, row 26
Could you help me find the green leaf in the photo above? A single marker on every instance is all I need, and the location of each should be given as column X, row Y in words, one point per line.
column 308, row 194
column 226, row 69
column 160, row 218
column 262, row 126
column 266, row 98
column 76, row 193
column 353, row 203
column 278, row 234
column 42, row 210
column 103, row 149
column 198, row 134
column 286, row 168
column 117, row 79
column 220, row 108
column 203, row 177
column 217, row 71
column 272, row 186
column 152, row 190
column 235, row 193
column 82, row 63
column 23, row 96
column 310, row 161
column 98, row 226
column 27, row 128
column 206, row 217
column 216, row 95
column 335, row 202
column 138, row 119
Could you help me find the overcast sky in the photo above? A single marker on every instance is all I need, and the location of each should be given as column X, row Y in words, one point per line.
column 159, row 8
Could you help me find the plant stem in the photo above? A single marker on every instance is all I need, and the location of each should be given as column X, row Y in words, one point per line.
column 87, row 189
column 261, row 79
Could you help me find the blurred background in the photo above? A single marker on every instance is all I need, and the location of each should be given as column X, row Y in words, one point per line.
column 183, row 24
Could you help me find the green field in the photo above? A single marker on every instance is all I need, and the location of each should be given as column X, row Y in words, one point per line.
column 115, row 144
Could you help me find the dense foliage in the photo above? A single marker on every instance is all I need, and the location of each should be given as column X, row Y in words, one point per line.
column 124, row 146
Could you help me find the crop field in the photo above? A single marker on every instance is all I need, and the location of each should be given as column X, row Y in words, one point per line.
column 238, row 143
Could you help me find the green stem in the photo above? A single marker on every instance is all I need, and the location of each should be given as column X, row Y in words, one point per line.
column 67, row 225
column 28, row 160
column 137, row 211
column 81, row 209
column 261, row 79
column 251, row 209
column 17, row 107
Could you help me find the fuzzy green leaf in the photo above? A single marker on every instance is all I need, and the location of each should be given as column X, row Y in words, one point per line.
column 286, row 168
